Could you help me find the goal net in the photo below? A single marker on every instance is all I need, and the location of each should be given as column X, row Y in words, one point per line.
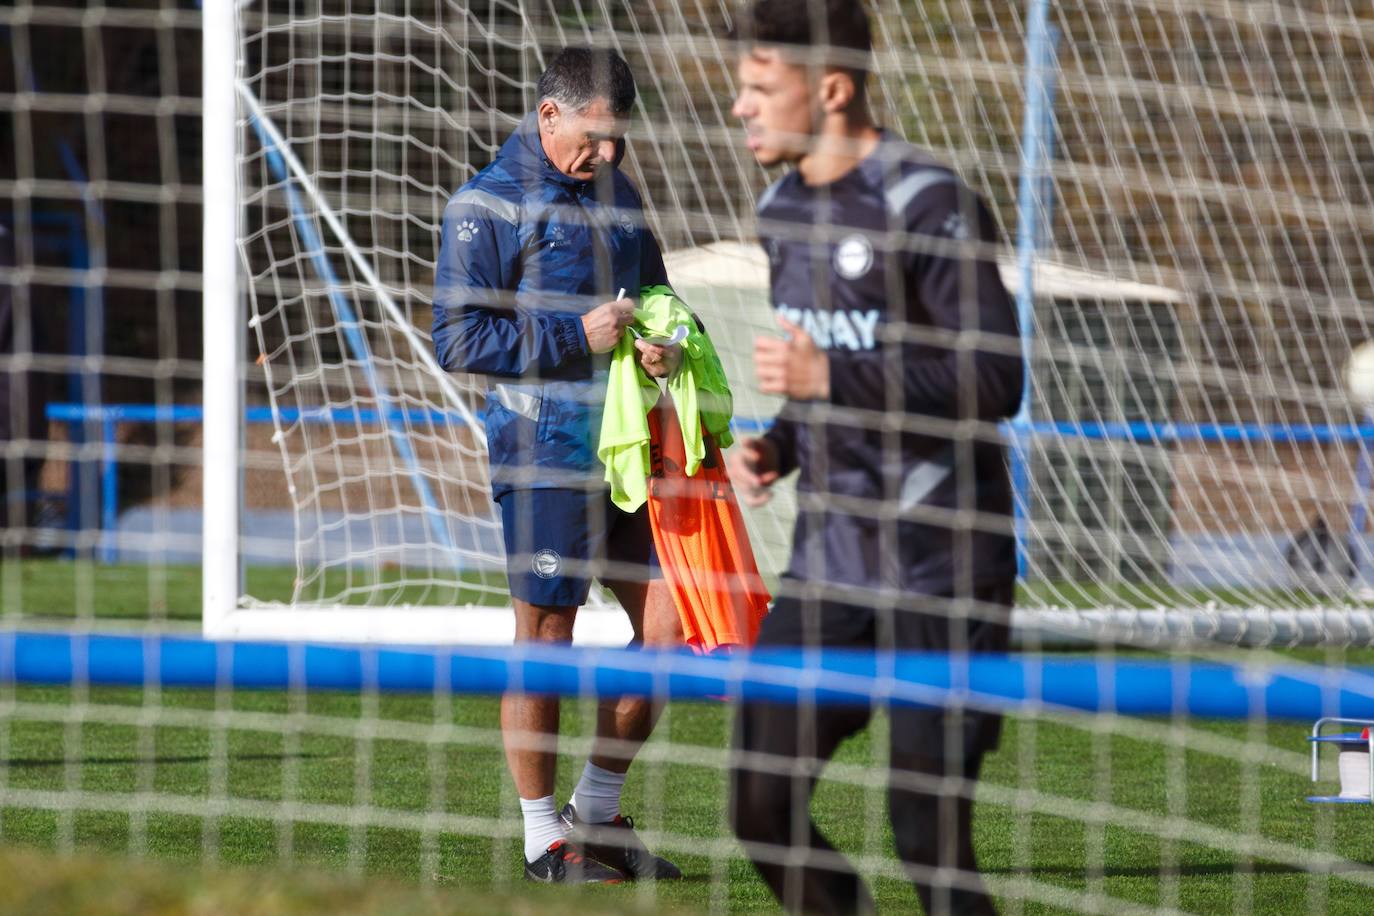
column 1185, row 197
column 1184, row 193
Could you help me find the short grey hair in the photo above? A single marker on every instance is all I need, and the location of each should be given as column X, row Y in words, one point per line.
column 577, row 76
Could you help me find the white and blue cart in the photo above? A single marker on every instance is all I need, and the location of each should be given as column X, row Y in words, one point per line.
column 1354, row 760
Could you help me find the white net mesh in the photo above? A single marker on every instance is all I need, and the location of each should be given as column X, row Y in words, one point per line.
column 1189, row 449
column 1184, row 216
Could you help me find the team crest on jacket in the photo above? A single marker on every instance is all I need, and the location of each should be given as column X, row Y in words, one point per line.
column 853, row 257
column 627, row 222
column 467, row 229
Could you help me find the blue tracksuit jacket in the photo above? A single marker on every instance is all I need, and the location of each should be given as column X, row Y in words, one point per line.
column 526, row 251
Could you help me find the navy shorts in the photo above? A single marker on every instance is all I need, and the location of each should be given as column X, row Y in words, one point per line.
column 557, row 541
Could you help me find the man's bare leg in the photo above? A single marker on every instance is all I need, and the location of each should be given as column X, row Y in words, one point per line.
column 625, row 723
column 529, row 723
column 622, row 725
column 529, row 730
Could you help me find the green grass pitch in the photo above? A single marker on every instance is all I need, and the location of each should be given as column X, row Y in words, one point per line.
column 109, row 745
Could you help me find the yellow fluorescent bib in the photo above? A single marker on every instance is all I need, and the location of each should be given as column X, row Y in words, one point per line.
column 698, row 389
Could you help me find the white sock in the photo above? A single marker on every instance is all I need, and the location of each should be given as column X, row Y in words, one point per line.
column 542, row 826
column 597, row 796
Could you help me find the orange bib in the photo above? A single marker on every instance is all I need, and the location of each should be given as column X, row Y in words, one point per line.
column 703, row 547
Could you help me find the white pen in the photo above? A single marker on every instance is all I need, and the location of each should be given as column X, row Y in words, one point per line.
column 619, row 296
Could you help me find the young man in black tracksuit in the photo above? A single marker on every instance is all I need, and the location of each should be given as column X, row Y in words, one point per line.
column 898, row 356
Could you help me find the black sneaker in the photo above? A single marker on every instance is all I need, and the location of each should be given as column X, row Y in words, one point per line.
column 567, row 863
column 616, row 844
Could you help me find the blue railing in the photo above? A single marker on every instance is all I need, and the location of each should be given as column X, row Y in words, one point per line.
column 1168, row 433
column 109, row 416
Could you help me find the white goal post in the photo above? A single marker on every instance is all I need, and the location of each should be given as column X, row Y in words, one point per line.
column 223, row 319
column 1187, row 464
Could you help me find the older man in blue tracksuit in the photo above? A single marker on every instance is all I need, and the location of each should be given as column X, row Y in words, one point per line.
column 536, row 249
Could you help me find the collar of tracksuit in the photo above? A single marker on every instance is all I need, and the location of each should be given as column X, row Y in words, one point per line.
column 525, row 151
